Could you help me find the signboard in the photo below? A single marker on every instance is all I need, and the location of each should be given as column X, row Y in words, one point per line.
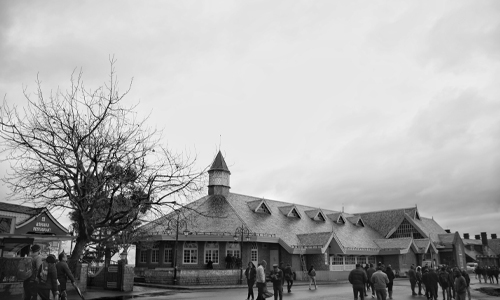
column 43, row 224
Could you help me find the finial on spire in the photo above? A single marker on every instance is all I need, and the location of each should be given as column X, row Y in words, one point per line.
column 342, row 207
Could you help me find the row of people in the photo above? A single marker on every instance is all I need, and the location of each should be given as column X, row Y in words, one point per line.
column 379, row 280
column 455, row 283
column 47, row 277
column 488, row 273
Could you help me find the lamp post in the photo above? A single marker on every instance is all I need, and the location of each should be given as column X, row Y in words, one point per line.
column 178, row 223
column 240, row 233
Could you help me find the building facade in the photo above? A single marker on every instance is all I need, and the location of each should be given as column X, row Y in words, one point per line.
column 221, row 225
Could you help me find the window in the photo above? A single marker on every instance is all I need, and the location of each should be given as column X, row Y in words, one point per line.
column 167, row 255
column 372, row 260
column 320, row 217
column 190, row 253
column 255, row 253
column 326, row 258
column 233, row 249
column 155, row 255
column 144, row 256
column 5, row 224
column 294, row 213
column 406, row 230
column 350, row 260
column 337, row 260
column 263, row 209
column 212, row 252
column 362, row 260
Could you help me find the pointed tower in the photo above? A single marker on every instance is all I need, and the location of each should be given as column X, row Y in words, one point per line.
column 218, row 177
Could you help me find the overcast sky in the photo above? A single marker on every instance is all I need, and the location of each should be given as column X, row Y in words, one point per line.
column 372, row 105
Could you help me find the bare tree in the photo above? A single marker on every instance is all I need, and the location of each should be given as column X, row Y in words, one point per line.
column 82, row 150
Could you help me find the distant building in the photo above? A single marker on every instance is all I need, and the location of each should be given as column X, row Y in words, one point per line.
column 484, row 251
column 302, row 235
column 22, row 226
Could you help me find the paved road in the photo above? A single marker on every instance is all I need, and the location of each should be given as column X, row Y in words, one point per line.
column 331, row 291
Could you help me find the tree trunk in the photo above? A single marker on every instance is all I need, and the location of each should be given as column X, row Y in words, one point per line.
column 78, row 250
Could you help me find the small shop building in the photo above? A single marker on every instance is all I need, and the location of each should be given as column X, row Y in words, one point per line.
column 224, row 231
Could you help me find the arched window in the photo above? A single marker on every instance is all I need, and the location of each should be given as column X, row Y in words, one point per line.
column 212, row 252
column 233, row 249
column 190, row 253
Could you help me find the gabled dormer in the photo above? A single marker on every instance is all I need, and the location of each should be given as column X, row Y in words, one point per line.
column 259, row 206
column 290, row 211
column 356, row 220
column 337, row 218
column 316, row 215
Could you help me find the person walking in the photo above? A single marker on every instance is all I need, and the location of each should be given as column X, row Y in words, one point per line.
column 391, row 276
column 444, row 283
column 261, row 280
column 312, row 277
column 412, row 276
column 367, row 266
column 288, row 277
column 358, row 279
column 47, row 278
column 380, row 281
column 63, row 273
column 369, row 273
column 250, row 274
column 418, row 271
column 30, row 285
column 427, row 283
column 433, row 283
column 277, row 279
column 467, row 282
column 460, row 285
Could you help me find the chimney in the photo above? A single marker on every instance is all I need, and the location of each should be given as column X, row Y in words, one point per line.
column 477, row 237
column 447, row 231
column 466, row 236
column 493, row 236
column 484, row 238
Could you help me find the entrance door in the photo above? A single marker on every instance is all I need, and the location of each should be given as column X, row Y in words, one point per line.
column 274, row 257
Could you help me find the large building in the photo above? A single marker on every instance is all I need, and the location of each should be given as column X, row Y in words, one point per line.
column 481, row 250
column 252, row 229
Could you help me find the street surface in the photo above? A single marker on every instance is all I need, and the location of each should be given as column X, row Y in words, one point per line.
column 326, row 291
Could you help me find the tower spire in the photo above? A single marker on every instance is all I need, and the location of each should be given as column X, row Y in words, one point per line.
column 218, row 177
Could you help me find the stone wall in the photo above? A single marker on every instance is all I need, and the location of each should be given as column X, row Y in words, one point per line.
column 194, row 277
column 128, row 279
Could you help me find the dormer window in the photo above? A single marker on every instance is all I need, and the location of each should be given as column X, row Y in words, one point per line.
column 294, row 213
column 341, row 220
column 360, row 223
column 263, row 209
column 320, row 218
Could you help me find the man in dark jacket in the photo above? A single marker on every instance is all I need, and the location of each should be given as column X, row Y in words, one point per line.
column 48, row 284
column 444, row 283
column 369, row 274
column 277, row 279
column 460, row 285
column 358, row 279
column 30, row 285
column 433, row 283
column 467, row 282
column 288, row 273
column 63, row 273
column 412, row 276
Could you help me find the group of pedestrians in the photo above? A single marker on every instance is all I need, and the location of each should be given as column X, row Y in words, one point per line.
column 488, row 273
column 379, row 281
column 277, row 276
column 455, row 283
column 47, row 276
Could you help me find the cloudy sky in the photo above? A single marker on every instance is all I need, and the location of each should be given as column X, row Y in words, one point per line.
column 368, row 105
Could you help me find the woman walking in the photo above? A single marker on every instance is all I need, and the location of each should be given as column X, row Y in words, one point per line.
column 391, row 276
column 250, row 274
column 312, row 277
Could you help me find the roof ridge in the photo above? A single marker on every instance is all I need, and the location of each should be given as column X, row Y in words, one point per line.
column 376, row 211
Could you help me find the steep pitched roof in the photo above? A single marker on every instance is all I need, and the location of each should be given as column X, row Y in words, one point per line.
column 219, row 163
column 20, row 209
column 314, row 239
column 432, row 228
column 472, row 242
column 494, row 244
column 446, row 238
column 386, row 220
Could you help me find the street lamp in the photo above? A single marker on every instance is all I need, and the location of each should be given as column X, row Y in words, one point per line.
column 186, row 232
column 240, row 233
